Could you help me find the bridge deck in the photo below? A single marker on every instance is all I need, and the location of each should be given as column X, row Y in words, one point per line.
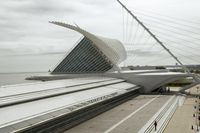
column 128, row 117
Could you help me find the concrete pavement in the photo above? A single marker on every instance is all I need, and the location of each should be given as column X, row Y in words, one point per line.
column 183, row 119
column 129, row 117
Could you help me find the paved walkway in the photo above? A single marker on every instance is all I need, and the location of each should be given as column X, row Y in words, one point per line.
column 183, row 119
column 129, row 117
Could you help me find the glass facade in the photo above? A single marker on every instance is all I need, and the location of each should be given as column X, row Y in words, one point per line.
column 84, row 58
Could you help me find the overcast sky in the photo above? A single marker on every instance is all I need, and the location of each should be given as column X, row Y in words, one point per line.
column 26, row 37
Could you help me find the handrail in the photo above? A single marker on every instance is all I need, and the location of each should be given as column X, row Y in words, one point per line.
column 168, row 116
column 149, row 126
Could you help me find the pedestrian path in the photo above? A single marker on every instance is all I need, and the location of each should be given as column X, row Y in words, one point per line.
column 183, row 120
column 129, row 117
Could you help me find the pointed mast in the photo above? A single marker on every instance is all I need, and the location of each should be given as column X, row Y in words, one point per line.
column 196, row 77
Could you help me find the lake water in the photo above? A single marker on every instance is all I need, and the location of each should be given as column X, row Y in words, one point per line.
column 17, row 78
column 14, row 69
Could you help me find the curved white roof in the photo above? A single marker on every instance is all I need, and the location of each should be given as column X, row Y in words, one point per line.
column 112, row 48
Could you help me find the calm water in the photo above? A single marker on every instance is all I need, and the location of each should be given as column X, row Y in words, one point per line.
column 17, row 78
column 14, row 69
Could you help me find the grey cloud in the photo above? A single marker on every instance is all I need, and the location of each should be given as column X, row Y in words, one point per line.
column 25, row 29
column 29, row 54
column 38, row 6
column 143, row 53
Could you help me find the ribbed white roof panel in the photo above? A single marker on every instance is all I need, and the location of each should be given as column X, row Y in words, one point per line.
column 112, row 48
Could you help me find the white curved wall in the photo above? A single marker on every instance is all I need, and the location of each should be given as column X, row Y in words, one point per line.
column 113, row 49
column 151, row 81
column 117, row 47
